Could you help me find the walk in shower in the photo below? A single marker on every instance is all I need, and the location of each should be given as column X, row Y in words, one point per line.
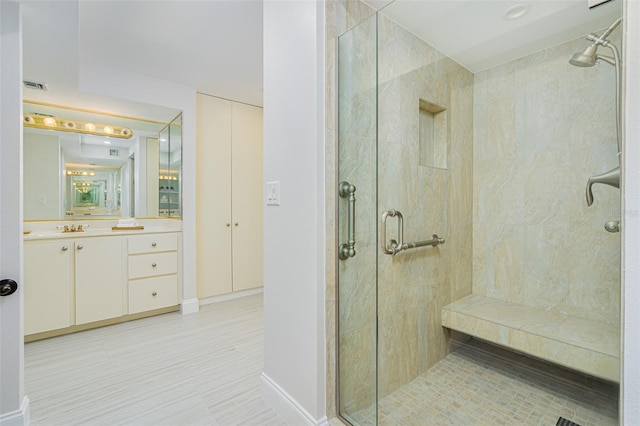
column 471, row 268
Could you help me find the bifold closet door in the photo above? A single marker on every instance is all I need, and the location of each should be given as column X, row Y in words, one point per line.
column 213, row 200
column 247, row 199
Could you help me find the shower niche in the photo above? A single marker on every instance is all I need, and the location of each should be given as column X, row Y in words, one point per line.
column 433, row 135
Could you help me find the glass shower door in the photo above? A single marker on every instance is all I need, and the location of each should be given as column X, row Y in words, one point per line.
column 357, row 223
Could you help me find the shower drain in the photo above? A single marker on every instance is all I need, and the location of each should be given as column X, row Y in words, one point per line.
column 564, row 422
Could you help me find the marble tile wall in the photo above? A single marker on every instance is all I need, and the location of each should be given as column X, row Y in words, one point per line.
column 541, row 128
column 413, row 286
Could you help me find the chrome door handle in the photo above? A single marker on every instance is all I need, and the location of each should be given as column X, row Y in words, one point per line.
column 348, row 249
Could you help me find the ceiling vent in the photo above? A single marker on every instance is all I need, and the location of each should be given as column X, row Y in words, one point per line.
column 35, row 85
column 114, row 152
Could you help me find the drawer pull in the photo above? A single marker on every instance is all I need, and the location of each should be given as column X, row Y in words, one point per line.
column 153, row 244
column 154, row 293
column 65, row 248
column 154, row 264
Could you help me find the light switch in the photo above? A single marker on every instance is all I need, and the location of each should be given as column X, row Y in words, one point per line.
column 273, row 193
column 42, row 200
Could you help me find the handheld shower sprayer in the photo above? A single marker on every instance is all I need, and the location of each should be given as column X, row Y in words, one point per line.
column 589, row 58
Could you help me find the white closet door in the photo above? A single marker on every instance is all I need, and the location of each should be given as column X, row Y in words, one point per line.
column 213, row 202
column 247, row 197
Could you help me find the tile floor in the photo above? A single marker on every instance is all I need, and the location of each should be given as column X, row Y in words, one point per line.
column 204, row 370
column 200, row 369
column 471, row 387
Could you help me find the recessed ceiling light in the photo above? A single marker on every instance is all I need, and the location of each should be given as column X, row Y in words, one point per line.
column 107, row 142
column 517, row 11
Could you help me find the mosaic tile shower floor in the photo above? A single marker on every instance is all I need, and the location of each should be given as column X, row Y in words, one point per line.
column 469, row 387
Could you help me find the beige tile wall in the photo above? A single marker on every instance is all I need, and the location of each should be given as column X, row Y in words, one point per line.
column 413, row 286
column 541, row 128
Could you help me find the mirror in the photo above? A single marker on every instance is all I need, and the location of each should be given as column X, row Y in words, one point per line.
column 94, row 165
column 171, row 168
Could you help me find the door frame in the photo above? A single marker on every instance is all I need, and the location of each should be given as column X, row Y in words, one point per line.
column 14, row 404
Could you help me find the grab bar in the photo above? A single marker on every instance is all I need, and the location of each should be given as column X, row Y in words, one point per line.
column 394, row 247
column 348, row 249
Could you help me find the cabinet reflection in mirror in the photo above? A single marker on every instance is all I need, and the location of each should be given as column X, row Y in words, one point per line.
column 88, row 164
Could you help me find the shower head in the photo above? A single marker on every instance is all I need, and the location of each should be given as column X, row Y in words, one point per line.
column 586, row 58
column 589, row 57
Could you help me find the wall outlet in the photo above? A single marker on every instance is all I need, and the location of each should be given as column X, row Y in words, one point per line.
column 273, row 193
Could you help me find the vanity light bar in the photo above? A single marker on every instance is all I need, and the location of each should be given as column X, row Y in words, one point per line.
column 168, row 177
column 79, row 173
column 75, row 126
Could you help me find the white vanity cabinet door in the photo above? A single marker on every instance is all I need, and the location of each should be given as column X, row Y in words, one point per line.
column 48, row 286
column 100, row 279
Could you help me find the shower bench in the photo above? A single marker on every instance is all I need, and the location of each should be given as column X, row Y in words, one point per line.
column 583, row 345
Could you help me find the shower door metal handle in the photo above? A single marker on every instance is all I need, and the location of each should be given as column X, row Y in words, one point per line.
column 348, row 249
column 392, row 246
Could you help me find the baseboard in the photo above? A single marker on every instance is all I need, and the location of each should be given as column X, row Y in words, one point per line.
column 19, row 417
column 288, row 408
column 230, row 296
column 189, row 306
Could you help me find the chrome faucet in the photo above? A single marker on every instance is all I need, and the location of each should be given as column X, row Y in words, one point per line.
column 611, row 178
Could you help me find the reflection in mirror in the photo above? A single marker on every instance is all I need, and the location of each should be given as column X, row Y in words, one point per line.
column 74, row 166
column 171, row 168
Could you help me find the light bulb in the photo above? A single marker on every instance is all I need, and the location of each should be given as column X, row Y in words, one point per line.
column 49, row 122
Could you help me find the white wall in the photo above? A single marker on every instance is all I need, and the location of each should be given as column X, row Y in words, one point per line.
column 631, row 223
column 294, row 244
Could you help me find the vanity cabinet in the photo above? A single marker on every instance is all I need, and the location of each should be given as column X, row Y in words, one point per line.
column 153, row 272
column 72, row 282
column 230, row 208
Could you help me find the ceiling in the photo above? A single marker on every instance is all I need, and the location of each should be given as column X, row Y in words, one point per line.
column 476, row 34
column 215, row 46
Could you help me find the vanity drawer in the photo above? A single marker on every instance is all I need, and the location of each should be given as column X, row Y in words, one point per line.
column 153, row 243
column 149, row 265
column 153, row 293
